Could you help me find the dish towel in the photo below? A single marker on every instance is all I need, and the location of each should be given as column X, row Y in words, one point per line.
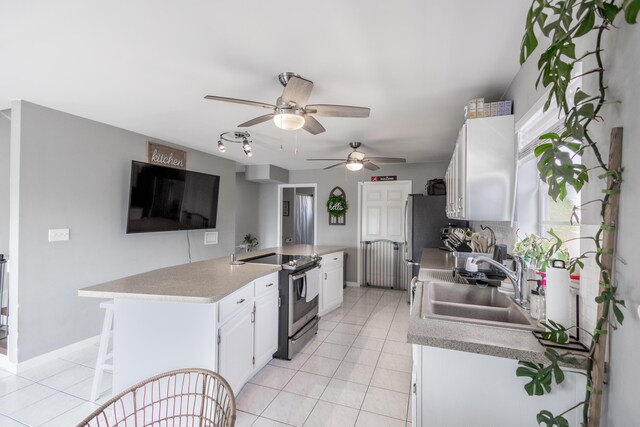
column 313, row 283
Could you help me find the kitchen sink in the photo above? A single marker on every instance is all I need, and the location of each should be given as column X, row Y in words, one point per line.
column 471, row 304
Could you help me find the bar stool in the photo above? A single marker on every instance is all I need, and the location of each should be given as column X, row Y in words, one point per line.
column 103, row 356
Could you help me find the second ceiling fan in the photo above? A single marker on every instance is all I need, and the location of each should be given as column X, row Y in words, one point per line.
column 291, row 111
column 357, row 160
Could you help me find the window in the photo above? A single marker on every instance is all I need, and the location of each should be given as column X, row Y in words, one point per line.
column 535, row 211
column 558, row 215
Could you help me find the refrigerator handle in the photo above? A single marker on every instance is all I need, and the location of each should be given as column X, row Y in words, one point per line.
column 406, row 231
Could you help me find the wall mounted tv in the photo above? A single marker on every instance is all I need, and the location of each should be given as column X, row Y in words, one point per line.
column 167, row 199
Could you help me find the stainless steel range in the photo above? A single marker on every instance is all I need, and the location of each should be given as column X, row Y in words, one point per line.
column 298, row 316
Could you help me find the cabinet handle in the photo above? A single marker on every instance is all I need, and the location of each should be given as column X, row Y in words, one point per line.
column 270, row 284
column 325, row 276
column 335, row 259
column 240, row 301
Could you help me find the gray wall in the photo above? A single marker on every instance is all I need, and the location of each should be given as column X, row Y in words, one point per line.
column 345, row 235
column 247, row 216
column 623, row 75
column 75, row 174
column 622, row 60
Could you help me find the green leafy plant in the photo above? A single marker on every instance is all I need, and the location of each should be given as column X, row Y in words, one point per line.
column 337, row 205
column 538, row 251
column 563, row 22
column 250, row 240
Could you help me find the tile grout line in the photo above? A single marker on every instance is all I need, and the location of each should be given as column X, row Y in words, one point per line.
column 374, row 371
column 332, row 377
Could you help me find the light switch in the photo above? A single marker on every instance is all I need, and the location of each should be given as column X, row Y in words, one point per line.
column 58, row 234
column 210, row 237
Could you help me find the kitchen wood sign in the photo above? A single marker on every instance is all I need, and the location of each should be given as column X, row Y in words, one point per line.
column 166, row 156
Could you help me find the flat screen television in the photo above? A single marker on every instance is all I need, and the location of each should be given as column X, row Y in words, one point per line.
column 168, row 199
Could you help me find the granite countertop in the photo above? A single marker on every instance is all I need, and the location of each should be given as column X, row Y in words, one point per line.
column 199, row 282
column 468, row 337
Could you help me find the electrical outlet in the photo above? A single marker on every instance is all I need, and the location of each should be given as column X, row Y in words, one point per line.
column 210, row 237
column 58, row 234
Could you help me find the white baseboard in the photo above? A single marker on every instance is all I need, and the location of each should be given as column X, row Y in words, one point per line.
column 56, row 354
column 353, row 284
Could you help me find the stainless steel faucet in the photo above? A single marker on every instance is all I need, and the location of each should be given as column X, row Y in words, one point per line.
column 516, row 277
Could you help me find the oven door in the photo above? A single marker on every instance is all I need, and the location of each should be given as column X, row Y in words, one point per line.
column 301, row 311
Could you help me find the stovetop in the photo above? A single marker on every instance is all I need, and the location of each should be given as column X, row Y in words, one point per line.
column 288, row 262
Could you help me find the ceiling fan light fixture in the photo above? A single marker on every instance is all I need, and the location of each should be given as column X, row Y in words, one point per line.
column 249, row 153
column 221, row 147
column 354, row 165
column 288, row 118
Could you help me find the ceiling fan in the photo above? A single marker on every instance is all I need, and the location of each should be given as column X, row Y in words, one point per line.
column 356, row 160
column 291, row 111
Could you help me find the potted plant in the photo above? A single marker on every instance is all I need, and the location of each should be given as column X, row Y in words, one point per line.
column 538, row 251
column 250, row 241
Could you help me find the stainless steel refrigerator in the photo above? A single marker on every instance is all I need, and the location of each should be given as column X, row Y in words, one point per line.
column 425, row 216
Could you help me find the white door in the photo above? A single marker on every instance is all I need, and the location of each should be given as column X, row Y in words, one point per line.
column 266, row 327
column 383, row 210
column 236, row 349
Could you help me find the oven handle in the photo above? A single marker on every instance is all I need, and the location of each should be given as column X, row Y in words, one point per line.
column 301, row 275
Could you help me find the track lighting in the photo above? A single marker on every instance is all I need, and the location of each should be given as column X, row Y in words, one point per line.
column 239, row 138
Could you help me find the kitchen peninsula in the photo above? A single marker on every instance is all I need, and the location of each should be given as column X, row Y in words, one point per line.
column 207, row 314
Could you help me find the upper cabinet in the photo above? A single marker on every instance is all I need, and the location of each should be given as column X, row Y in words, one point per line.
column 480, row 177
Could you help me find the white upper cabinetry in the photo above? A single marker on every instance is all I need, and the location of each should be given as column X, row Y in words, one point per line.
column 480, row 177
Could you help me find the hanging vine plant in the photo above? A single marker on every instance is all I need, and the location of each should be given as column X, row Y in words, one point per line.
column 337, row 205
column 563, row 22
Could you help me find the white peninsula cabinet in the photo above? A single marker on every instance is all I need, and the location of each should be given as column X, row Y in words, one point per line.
column 235, row 336
column 248, row 332
column 331, row 282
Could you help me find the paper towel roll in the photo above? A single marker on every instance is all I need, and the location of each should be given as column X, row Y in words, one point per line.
column 557, row 294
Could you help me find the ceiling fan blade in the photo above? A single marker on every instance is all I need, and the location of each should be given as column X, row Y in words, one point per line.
column 241, row 101
column 387, row 159
column 325, row 160
column 328, row 110
column 370, row 166
column 337, row 164
column 312, row 126
column 256, row 121
column 297, row 91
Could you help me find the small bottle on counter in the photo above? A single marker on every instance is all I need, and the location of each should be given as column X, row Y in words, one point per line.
column 535, row 301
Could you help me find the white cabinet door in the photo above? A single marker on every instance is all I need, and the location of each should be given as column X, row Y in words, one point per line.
column 332, row 282
column 461, row 172
column 236, row 349
column 266, row 328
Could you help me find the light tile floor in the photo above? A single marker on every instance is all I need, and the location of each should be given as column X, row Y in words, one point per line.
column 53, row 394
column 355, row 372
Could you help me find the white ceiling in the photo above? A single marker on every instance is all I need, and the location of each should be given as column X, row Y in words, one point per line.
column 146, row 65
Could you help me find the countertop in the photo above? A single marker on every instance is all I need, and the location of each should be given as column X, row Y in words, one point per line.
column 199, row 282
column 467, row 337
